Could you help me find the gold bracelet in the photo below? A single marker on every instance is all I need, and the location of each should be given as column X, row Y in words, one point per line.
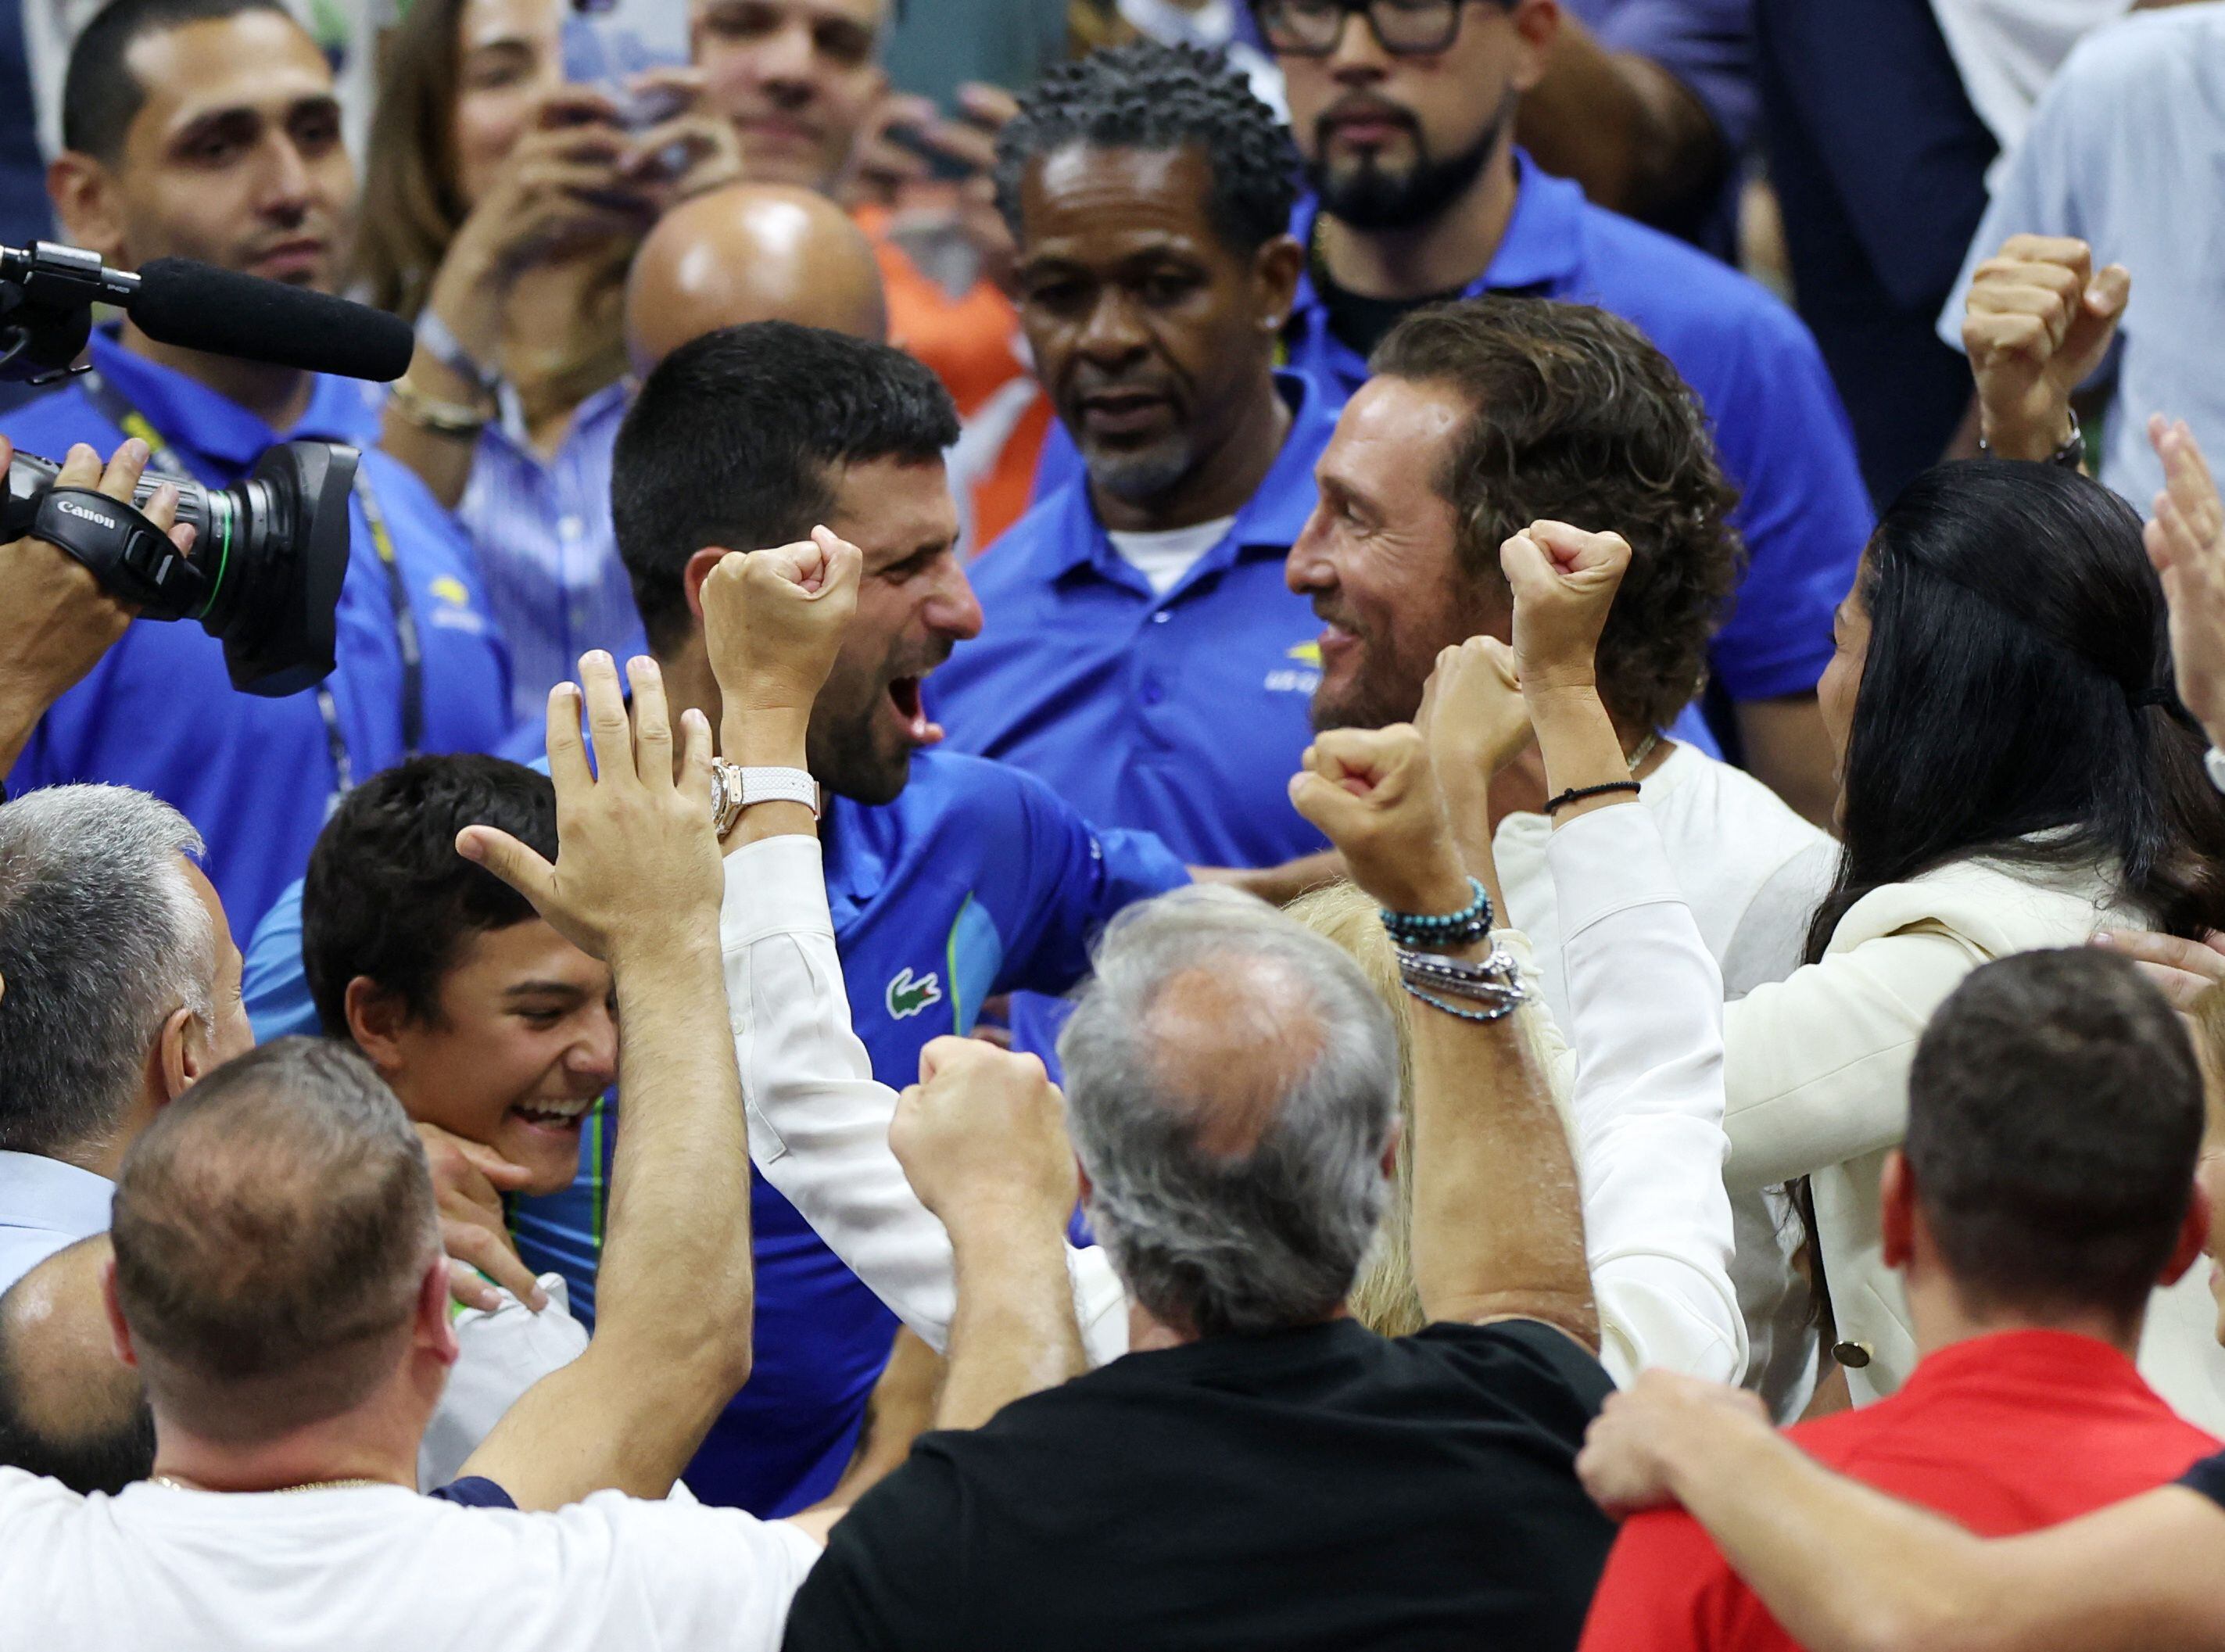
column 430, row 413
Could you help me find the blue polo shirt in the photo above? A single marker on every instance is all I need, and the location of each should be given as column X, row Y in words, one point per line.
column 256, row 776
column 978, row 880
column 1182, row 715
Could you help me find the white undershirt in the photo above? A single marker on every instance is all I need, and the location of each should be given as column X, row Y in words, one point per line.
column 1163, row 558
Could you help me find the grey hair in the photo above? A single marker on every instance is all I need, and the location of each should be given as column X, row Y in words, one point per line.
column 101, row 938
column 1269, row 1232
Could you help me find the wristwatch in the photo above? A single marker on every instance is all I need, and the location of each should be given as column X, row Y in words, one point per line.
column 2071, row 456
column 734, row 788
column 2213, row 761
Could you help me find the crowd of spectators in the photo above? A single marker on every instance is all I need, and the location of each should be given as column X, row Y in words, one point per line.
column 1195, row 823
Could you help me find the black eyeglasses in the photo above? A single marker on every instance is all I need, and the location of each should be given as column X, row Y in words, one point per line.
column 1402, row 28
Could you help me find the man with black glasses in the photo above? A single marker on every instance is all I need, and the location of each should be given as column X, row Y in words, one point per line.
column 1403, row 111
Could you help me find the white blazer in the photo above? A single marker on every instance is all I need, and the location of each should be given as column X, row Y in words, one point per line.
column 1816, row 1075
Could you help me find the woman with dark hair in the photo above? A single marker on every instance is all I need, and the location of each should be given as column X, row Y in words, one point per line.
column 502, row 206
column 2014, row 772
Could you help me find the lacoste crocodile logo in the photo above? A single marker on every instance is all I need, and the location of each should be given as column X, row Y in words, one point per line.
column 908, row 996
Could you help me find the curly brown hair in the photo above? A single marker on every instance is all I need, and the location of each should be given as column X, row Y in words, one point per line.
column 1579, row 419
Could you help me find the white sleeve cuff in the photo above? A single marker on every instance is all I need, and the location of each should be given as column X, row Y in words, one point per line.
column 775, row 886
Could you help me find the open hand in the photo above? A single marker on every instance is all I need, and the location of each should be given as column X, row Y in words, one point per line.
column 983, row 1134
column 1374, row 793
column 1624, row 1463
column 1563, row 580
column 2037, row 322
column 2183, row 970
column 637, row 865
column 2185, row 541
column 469, row 1180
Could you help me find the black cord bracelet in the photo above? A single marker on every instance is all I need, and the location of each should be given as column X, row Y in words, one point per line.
column 1576, row 793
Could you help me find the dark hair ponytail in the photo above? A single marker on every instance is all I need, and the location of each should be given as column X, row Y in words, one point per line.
column 2018, row 687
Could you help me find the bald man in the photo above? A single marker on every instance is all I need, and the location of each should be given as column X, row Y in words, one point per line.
column 750, row 252
column 69, row 1407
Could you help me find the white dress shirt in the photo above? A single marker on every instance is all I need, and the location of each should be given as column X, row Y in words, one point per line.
column 45, row 1207
column 1752, row 872
column 1648, row 1102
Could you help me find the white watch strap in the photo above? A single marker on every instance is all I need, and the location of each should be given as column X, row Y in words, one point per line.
column 774, row 787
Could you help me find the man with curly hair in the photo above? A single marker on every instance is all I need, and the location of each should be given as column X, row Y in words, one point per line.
column 1483, row 416
column 1140, row 609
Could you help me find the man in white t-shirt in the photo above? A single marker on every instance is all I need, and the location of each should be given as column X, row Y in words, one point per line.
column 1484, row 415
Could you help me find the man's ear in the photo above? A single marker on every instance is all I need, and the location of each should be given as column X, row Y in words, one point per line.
column 86, row 208
column 434, row 1329
column 1390, row 1149
column 1277, row 269
column 1537, row 26
column 693, row 576
column 374, row 1022
column 118, row 1332
column 182, row 1054
column 2193, row 1235
column 1896, row 1210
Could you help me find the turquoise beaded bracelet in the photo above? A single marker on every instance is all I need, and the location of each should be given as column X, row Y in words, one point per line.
column 1441, row 931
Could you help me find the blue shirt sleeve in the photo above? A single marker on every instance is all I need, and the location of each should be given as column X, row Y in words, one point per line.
column 273, row 981
column 1075, row 877
column 474, row 1491
column 1805, row 512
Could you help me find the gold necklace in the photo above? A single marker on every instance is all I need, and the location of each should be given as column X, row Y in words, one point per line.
column 278, row 1490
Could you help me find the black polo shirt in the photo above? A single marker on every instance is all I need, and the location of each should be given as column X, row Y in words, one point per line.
column 1322, row 1488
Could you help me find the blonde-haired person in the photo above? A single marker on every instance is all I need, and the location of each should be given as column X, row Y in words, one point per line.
column 502, row 207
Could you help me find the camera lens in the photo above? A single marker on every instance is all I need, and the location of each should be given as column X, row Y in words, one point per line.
column 264, row 575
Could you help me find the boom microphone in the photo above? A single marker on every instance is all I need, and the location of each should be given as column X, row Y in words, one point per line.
column 47, row 292
column 201, row 306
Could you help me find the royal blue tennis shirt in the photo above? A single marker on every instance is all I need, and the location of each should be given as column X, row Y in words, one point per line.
column 256, row 776
column 1780, row 431
column 1184, row 715
column 977, row 880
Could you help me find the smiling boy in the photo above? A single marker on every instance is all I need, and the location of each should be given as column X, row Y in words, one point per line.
column 486, row 1022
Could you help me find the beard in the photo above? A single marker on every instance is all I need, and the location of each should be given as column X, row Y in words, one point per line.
column 1365, row 193
column 1141, row 477
column 1368, row 701
column 855, row 748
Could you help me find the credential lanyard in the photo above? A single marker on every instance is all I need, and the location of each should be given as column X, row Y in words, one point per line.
column 163, row 458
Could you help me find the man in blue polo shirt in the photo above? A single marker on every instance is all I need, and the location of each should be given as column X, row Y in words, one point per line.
column 1140, row 649
column 951, row 878
column 1404, row 114
column 207, row 128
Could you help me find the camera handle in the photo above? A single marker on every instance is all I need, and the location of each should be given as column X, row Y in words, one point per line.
column 134, row 559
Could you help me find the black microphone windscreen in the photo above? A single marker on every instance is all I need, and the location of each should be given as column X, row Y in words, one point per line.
column 200, row 306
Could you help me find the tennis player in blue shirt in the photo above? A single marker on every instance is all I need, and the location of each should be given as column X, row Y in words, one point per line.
column 951, row 878
column 209, row 129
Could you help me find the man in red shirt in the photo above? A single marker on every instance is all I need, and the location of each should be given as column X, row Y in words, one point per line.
column 2045, row 1187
